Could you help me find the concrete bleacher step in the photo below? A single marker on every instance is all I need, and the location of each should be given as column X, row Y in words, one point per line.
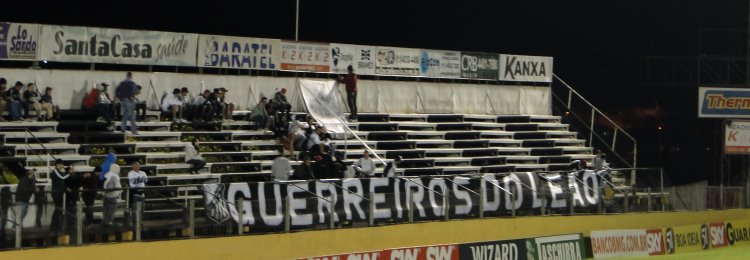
column 54, row 148
column 417, row 163
column 529, row 135
column 408, row 117
column 172, row 145
column 496, row 135
column 259, row 176
column 544, row 119
column 156, row 136
column 444, row 118
column 395, row 145
column 252, row 135
column 406, row 154
column 521, row 127
column 433, row 143
column 568, row 142
column 553, row 127
column 443, row 152
column 561, row 134
column 528, row 167
column 488, row 161
column 462, row 135
column 453, row 127
column 513, row 119
column 386, row 136
column 497, row 169
column 357, row 153
column 576, row 150
column 471, row 144
column 416, row 126
column 536, row 143
column 461, row 170
column 73, row 159
column 371, row 117
column 377, row 126
column 482, row 126
column 147, row 126
column 521, row 159
column 452, row 161
column 555, row 159
column 480, row 118
column 505, row 143
column 44, row 137
column 513, row 151
column 546, row 151
column 208, row 136
column 479, row 152
column 423, row 171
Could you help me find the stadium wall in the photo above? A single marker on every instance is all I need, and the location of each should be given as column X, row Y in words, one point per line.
column 380, row 96
column 326, row 242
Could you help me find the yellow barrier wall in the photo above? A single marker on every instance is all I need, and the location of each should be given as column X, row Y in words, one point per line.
column 325, row 242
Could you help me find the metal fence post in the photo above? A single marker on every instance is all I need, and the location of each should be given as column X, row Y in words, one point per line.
column 512, row 204
column 571, row 202
column 240, row 216
column 648, row 201
column 721, row 195
column 661, row 182
column 332, row 215
column 599, row 206
column 19, row 230
column 191, row 217
column 409, row 206
column 544, row 206
column 371, row 211
column 482, row 195
column 138, row 219
column 446, row 204
column 287, row 212
column 79, row 224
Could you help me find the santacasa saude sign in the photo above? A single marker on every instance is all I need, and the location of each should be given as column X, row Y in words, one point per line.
column 102, row 45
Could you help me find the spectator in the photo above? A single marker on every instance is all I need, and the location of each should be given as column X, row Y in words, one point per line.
column 48, row 105
column 186, row 100
column 350, row 80
column 4, row 98
column 104, row 105
column 60, row 175
column 226, row 108
column 125, row 92
column 365, row 167
column 112, row 192
column 172, row 104
column 390, row 167
column 280, row 103
column 281, row 168
column 89, row 102
column 110, row 159
column 193, row 157
column 281, row 128
column 137, row 180
column 339, row 167
column 217, row 108
column 26, row 188
column 296, row 136
column 90, row 187
column 202, row 108
column 140, row 105
column 32, row 99
column 600, row 161
column 73, row 184
column 259, row 115
column 314, row 145
column 14, row 102
column 303, row 171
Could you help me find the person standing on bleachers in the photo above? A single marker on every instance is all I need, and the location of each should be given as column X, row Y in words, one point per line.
column 193, row 157
column 90, row 187
column 281, row 169
column 365, row 167
column 125, row 93
column 350, row 80
column 14, row 102
column 112, row 191
column 47, row 105
column 26, row 188
column 137, row 179
column 59, row 175
column 3, row 97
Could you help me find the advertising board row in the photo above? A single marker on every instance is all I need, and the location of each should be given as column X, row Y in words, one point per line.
column 669, row 240
column 20, row 41
column 562, row 247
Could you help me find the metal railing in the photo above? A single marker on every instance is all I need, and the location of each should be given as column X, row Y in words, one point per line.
column 595, row 127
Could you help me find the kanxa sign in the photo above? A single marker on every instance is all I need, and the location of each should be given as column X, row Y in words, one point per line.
column 525, row 68
column 383, row 199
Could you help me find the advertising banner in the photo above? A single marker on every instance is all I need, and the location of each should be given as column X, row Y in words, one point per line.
column 443, row 252
column 440, row 64
column 301, row 56
column 373, row 255
column 619, row 243
column 738, row 232
column 504, row 249
column 476, row 65
column 360, row 57
column 723, row 102
column 238, row 52
column 397, row 61
column 525, row 68
column 391, row 197
column 119, row 46
column 683, row 239
column 19, row 41
column 737, row 137
column 718, row 234
column 563, row 247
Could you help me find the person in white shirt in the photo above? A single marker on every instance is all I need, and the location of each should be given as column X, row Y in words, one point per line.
column 315, row 145
column 365, row 167
column 296, row 136
column 172, row 104
column 390, row 168
column 112, row 191
column 281, row 169
column 137, row 179
column 193, row 157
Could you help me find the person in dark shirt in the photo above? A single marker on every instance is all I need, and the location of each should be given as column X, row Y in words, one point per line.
column 26, row 188
column 90, row 186
column 280, row 102
column 48, row 105
column 14, row 102
column 303, row 171
column 350, row 80
column 59, row 175
column 32, row 99
column 125, row 93
column 3, row 97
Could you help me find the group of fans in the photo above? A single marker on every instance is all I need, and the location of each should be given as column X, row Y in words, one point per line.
column 20, row 99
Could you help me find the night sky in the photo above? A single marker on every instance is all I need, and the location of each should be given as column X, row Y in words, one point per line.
column 597, row 46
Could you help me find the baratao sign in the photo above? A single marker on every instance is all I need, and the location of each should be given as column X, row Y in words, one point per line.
column 737, row 137
column 101, row 45
column 19, row 41
column 300, row 56
column 525, row 68
column 238, row 52
column 360, row 57
column 723, row 102
column 392, row 198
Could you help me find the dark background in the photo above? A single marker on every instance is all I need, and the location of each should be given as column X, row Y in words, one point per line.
column 597, row 46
